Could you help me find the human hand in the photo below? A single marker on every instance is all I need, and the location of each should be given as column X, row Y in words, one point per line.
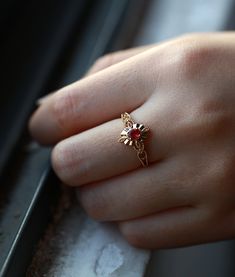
column 184, row 91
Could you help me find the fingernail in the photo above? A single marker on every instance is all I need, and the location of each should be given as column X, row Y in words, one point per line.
column 43, row 99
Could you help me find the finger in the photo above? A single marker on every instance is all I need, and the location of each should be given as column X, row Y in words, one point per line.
column 172, row 228
column 138, row 193
column 94, row 100
column 104, row 62
column 96, row 154
column 116, row 57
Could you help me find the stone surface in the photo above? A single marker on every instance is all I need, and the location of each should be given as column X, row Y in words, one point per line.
column 135, row 134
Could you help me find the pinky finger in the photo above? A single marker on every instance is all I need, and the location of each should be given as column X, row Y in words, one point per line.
column 171, row 228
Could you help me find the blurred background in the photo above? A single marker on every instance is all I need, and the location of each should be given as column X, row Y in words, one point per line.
column 46, row 45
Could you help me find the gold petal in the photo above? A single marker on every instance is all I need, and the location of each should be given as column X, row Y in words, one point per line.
column 121, row 139
column 145, row 130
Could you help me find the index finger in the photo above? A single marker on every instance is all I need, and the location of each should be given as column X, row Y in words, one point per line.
column 95, row 99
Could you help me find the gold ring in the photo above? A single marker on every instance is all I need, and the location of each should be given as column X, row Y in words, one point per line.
column 134, row 134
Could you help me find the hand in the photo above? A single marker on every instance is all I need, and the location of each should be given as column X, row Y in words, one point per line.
column 184, row 91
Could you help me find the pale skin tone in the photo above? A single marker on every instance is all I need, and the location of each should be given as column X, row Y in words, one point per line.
column 184, row 91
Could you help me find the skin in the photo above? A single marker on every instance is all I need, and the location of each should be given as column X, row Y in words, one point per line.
column 183, row 89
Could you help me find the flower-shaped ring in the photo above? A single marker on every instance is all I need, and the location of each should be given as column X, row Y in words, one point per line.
column 134, row 134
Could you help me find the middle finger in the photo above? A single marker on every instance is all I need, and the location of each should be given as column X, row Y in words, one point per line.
column 96, row 154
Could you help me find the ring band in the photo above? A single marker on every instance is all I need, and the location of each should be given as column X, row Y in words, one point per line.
column 134, row 134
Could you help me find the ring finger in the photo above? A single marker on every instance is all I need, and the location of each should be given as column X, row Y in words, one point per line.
column 136, row 194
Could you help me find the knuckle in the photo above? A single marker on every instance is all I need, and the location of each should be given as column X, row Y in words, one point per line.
column 217, row 117
column 188, row 37
column 93, row 203
column 206, row 118
column 192, row 57
column 221, row 184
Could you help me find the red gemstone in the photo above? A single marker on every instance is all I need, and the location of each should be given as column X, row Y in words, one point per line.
column 135, row 134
